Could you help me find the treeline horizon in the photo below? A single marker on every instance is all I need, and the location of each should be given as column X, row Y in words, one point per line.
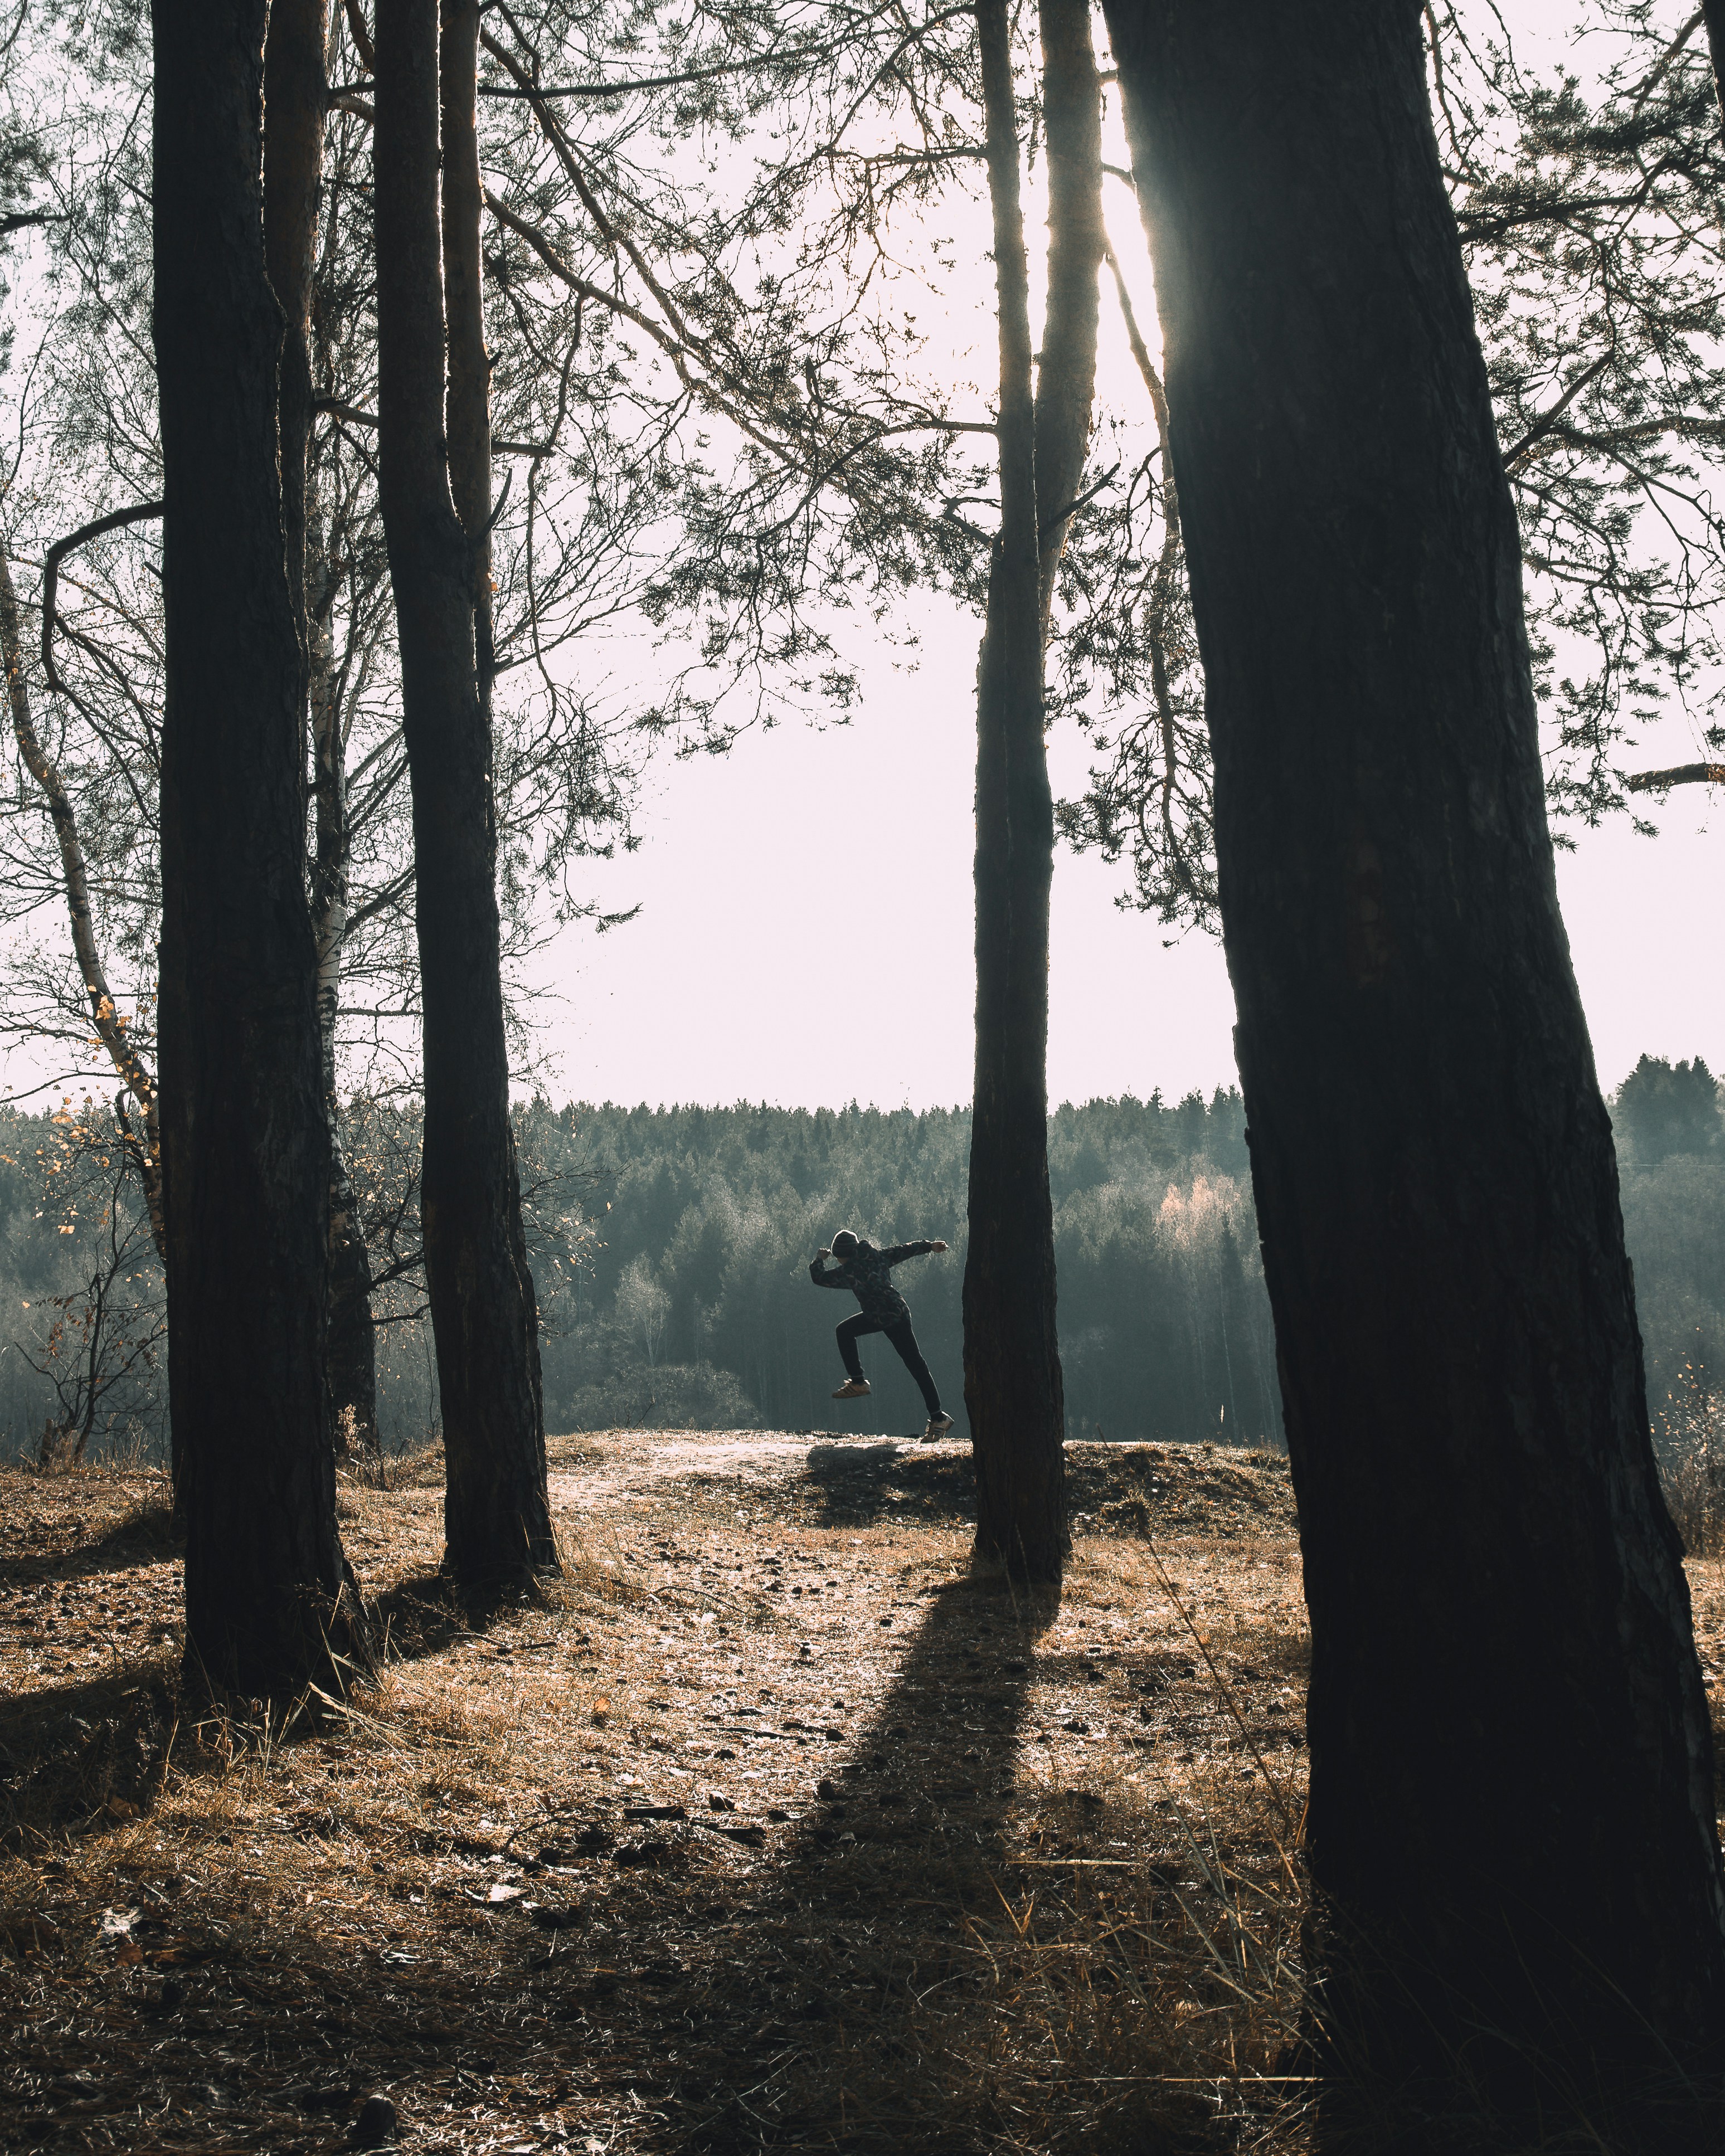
column 669, row 1247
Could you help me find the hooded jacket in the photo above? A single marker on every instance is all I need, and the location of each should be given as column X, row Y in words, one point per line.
column 867, row 1272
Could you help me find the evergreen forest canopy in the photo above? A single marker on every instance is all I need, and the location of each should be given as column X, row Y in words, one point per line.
column 670, row 1248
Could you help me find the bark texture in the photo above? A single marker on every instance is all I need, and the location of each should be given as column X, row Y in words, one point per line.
column 1012, row 1366
column 1681, row 774
column 245, row 1149
column 469, row 395
column 1520, row 1917
column 497, row 1513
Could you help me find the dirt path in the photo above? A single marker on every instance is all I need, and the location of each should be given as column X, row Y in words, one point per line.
column 631, row 1462
column 776, row 1829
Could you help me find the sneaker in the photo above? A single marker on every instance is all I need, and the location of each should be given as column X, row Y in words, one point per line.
column 938, row 1425
column 853, row 1388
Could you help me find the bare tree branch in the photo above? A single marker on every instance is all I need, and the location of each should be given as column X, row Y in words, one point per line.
column 109, row 1025
column 139, row 512
column 1681, row 774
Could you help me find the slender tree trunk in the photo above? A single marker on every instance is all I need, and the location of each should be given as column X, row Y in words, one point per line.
column 296, row 101
column 350, row 1357
column 1077, row 241
column 351, row 1360
column 245, row 1150
column 468, row 394
column 484, row 1315
column 1519, row 1909
column 1012, row 1368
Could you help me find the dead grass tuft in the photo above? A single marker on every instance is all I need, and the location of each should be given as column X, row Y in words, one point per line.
column 595, row 1571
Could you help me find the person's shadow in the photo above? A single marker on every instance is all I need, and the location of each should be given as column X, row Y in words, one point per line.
column 860, row 1485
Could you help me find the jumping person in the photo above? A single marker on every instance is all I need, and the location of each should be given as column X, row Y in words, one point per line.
column 867, row 1272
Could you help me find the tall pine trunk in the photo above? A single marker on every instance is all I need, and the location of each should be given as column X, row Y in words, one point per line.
column 1519, row 1916
column 1012, row 1367
column 497, row 1516
column 245, row 1150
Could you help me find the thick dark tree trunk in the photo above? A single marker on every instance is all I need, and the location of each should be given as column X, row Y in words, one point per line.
column 1012, row 1366
column 497, row 1514
column 1512, row 1831
column 245, row 1151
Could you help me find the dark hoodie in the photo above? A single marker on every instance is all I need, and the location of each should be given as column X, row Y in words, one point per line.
column 867, row 1272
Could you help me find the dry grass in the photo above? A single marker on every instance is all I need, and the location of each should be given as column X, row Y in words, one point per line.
column 775, row 1829
column 1691, row 1446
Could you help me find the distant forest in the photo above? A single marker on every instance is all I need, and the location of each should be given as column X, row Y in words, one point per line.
column 671, row 1247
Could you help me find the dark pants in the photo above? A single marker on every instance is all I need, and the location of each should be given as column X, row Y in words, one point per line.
column 898, row 1331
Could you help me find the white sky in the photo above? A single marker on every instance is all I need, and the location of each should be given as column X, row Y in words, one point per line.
column 750, row 975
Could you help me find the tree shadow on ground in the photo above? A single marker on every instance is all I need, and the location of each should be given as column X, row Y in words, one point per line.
column 829, row 1984
column 72, row 1755
column 819, row 1997
column 842, row 2025
column 423, row 1614
column 827, row 1999
column 845, row 1995
column 146, row 1535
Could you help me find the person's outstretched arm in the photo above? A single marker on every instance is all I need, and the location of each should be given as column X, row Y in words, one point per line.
column 900, row 1251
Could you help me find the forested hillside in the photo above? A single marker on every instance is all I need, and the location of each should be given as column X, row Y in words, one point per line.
column 670, row 1249
column 697, row 1301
